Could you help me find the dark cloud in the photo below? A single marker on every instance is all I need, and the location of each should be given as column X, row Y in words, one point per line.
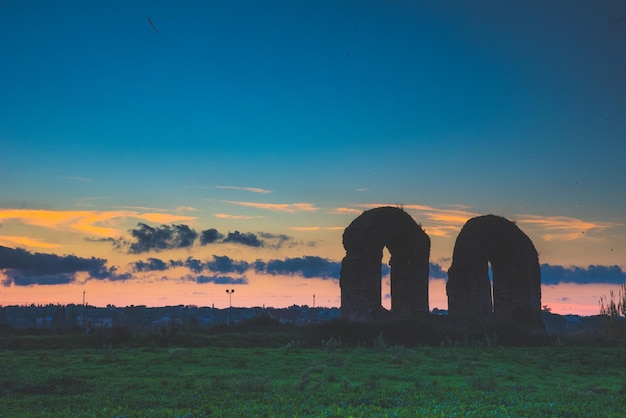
column 201, row 279
column 225, row 264
column 151, row 264
column 582, row 275
column 384, row 269
column 210, row 236
column 19, row 278
column 118, row 243
column 24, row 268
column 147, row 238
column 307, row 267
column 245, row 238
column 163, row 237
column 275, row 240
column 436, row 272
column 194, row 265
column 103, row 273
column 219, row 264
column 177, row 263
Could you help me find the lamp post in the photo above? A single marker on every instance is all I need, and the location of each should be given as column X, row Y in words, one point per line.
column 230, row 304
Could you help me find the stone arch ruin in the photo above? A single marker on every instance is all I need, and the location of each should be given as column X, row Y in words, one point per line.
column 360, row 279
column 514, row 261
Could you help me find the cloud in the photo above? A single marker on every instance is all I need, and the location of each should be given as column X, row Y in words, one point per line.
column 23, row 268
column 147, row 238
column 99, row 223
column 347, row 211
column 19, row 278
column 164, row 237
column 26, row 241
column 151, row 264
column 210, row 236
column 385, row 269
column 118, row 243
column 307, row 267
column 164, row 218
column 218, row 264
column 228, row 216
column 436, row 221
column 275, row 240
column 448, row 221
column 245, row 189
column 246, row 238
column 436, row 272
column 202, row 279
column 317, row 228
column 562, row 228
column 554, row 275
column 192, row 264
column 225, row 264
column 278, row 207
column 109, row 274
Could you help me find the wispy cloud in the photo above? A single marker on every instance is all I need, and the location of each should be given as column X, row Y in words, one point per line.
column 14, row 240
column 317, row 228
column 99, row 223
column 448, row 221
column 346, row 211
column 443, row 222
column 229, row 216
column 185, row 209
column 305, row 228
column 277, row 207
column 245, row 189
column 164, row 218
column 562, row 228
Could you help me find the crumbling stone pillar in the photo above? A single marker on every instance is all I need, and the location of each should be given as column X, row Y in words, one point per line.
column 515, row 267
column 360, row 280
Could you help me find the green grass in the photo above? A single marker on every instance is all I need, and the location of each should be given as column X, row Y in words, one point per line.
column 332, row 381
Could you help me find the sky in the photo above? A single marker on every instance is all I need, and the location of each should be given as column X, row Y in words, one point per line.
column 160, row 153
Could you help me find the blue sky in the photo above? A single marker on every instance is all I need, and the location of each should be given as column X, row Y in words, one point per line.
column 217, row 113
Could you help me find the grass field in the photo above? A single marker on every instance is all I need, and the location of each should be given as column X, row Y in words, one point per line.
column 331, row 381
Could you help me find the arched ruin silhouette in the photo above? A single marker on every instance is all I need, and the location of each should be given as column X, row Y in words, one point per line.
column 514, row 261
column 360, row 280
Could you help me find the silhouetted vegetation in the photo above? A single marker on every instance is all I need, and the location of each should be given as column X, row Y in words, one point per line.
column 266, row 331
column 614, row 312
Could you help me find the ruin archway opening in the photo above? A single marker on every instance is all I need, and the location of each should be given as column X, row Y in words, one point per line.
column 490, row 275
column 385, row 277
